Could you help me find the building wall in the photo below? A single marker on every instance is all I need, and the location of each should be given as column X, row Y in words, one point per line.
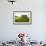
column 10, row 31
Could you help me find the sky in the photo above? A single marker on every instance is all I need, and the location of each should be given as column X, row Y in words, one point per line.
column 10, row 31
column 21, row 13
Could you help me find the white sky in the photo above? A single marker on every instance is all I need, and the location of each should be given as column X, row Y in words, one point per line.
column 22, row 13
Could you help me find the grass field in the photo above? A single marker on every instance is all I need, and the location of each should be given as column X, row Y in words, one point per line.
column 22, row 18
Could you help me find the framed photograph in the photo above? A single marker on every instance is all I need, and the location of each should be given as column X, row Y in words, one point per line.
column 22, row 17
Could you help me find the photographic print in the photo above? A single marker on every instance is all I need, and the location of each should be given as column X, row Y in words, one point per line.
column 22, row 17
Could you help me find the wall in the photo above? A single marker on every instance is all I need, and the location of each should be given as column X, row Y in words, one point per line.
column 9, row 31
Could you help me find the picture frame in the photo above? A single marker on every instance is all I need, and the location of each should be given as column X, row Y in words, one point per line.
column 22, row 17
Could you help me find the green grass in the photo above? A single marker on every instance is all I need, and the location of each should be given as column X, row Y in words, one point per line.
column 22, row 18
